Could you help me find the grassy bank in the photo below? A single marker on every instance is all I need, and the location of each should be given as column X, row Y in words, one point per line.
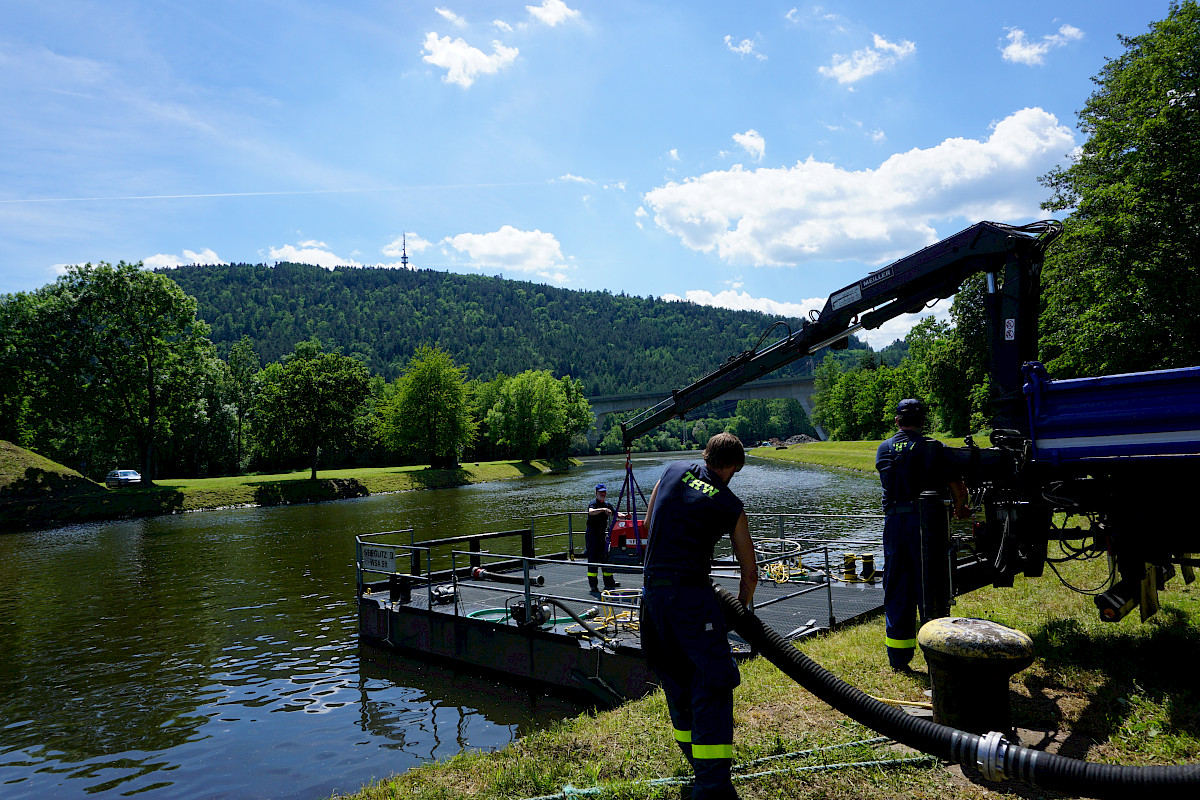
column 36, row 492
column 843, row 455
column 1116, row 693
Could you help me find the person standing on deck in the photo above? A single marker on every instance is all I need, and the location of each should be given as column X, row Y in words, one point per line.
column 684, row 636
column 596, row 538
column 908, row 464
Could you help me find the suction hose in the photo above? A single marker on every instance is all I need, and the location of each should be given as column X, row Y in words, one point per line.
column 991, row 753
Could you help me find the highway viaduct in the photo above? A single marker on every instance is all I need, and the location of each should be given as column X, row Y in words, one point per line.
column 798, row 388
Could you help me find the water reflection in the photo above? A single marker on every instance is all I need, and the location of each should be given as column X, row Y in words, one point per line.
column 216, row 654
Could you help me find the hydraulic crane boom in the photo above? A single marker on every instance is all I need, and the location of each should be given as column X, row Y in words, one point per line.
column 1011, row 256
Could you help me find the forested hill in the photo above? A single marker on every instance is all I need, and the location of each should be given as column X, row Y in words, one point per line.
column 612, row 343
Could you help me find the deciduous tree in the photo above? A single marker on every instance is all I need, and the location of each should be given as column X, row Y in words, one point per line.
column 1122, row 287
column 118, row 345
column 310, row 403
column 430, row 414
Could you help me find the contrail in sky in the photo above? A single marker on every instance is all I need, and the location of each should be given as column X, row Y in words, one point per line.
column 268, row 194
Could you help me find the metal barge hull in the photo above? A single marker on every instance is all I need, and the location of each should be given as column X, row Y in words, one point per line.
column 455, row 618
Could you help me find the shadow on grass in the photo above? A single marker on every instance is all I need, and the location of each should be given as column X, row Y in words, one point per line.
column 282, row 493
column 40, row 484
column 1155, row 661
column 53, row 506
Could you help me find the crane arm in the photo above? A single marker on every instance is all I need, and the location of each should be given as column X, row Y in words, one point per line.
column 905, row 286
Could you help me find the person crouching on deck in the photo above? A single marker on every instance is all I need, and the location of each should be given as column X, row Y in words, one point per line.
column 684, row 636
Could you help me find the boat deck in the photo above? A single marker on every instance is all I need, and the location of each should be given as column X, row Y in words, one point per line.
column 794, row 609
column 478, row 614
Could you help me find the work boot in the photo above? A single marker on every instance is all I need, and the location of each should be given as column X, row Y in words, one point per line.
column 611, row 584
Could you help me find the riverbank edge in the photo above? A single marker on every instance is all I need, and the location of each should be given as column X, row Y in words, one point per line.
column 45, row 505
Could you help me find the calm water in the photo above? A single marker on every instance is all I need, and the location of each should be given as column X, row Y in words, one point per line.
column 215, row 654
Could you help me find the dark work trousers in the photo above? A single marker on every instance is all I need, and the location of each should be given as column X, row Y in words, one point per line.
column 901, row 585
column 686, row 644
column 597, row 553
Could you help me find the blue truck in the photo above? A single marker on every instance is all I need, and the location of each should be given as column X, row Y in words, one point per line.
column 1121, row 451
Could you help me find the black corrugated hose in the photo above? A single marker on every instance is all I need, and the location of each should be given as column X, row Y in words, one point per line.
column 994, row 756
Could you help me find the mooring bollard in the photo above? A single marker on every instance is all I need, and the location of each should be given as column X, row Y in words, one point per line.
column 970, row 663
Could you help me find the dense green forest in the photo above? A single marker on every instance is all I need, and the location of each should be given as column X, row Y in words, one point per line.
column 613, row 344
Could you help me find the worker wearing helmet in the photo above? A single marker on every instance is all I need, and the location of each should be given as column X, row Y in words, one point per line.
column 684, row 636
column 908, row 464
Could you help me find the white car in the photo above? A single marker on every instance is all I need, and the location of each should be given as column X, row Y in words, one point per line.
column 122, row 477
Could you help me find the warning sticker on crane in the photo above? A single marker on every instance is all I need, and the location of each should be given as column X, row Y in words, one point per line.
column 1010, row 330
column 845, row 297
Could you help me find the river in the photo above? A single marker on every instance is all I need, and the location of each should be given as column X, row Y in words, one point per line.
column 215, row 654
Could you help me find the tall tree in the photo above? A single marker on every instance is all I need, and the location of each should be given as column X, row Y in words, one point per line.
column 1122, row 287
column 528, row 413
column 119, row 345
column 310, row 403
column 243, row 367
column 430, row 414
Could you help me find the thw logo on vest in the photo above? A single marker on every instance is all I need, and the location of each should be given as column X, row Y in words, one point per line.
column 699, row 485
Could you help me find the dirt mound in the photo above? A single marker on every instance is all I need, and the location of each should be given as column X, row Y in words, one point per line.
column 799, row 438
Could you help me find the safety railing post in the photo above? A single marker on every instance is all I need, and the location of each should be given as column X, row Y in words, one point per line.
column 358, row 573
column 527, row 544
column 829, row 589
column 528, row 593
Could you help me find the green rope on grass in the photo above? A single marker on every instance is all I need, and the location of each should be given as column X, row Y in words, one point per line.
column 569, row 791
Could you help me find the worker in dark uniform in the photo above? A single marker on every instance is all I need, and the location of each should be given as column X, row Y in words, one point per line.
column 909, row 463
column 683, row 630
column 600, row 513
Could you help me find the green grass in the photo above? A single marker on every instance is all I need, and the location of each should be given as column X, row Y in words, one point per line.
column 858, row 455
column 1119, row 693
column 843, row 455
column 36, row 492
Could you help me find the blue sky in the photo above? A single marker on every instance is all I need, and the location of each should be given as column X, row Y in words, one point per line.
column 748, row 154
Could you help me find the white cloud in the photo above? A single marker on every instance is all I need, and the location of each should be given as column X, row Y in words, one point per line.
column 502, row 25
column 462, row 62
column 1022, row 51
column 753, row 143
column 885, row 334
column 673, row 154
column 792, row 16
column 552, row 12
column 746, row 47
column 165, row 260
column 574, row 179
column 868, row 61
column 513, row 250
column 818, row 211
column 451, row 17
column 742, row 301
column 310, row 252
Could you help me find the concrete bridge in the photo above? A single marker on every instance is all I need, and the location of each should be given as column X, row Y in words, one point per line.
column 762, row 389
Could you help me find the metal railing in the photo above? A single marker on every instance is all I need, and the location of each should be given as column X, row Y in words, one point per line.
column 405, row 566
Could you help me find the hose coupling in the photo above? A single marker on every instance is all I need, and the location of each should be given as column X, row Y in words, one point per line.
column 989, row 756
